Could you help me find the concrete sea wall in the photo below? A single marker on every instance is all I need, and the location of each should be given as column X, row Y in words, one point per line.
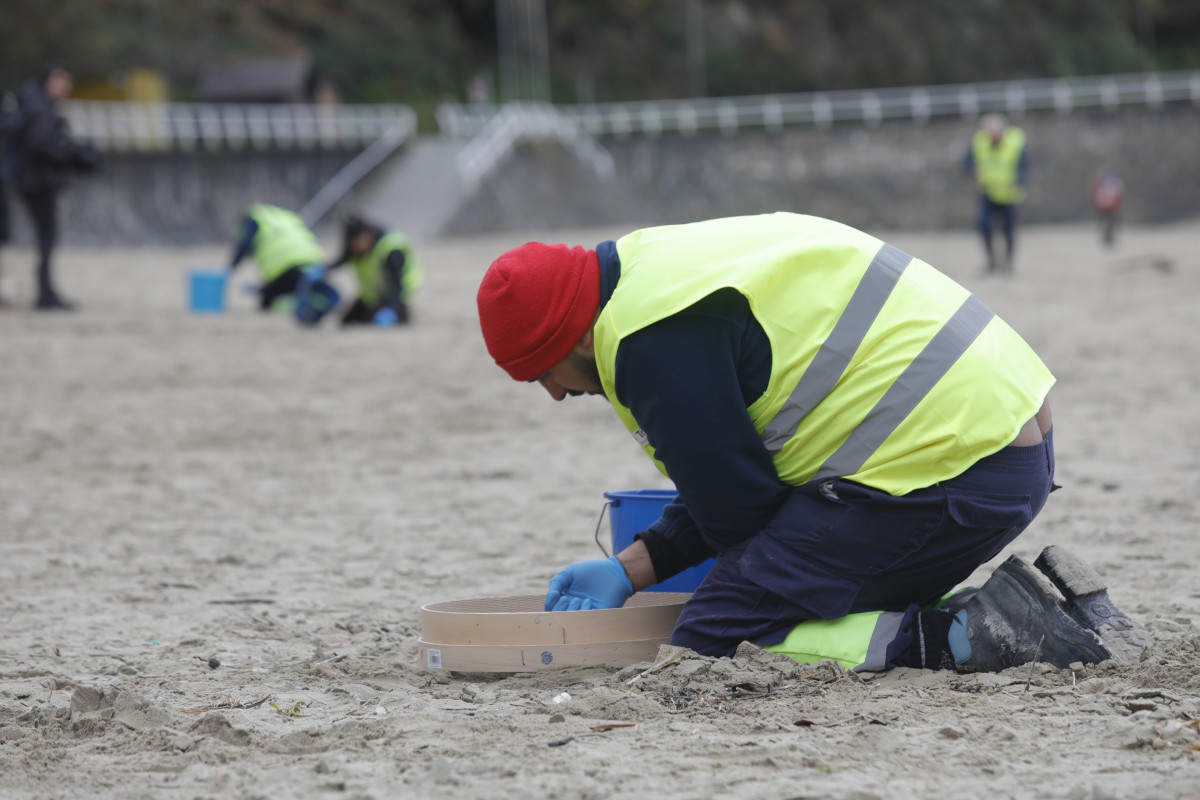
column 182, row 198
column 895, row 175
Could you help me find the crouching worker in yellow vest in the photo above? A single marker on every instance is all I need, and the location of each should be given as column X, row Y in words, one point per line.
column 387, row 272
column 289, row 260
column 851, row 434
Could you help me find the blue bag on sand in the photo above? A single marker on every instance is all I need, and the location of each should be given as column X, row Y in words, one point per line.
column 314, row 297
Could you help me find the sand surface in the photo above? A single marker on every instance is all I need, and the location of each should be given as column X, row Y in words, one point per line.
column 178, row 491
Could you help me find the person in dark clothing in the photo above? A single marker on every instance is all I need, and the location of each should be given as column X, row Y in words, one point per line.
column 387, row 273
column 4, row 232
column 9, row 127
column 44, row 159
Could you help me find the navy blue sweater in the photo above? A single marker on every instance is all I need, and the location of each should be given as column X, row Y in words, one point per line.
column 245, row 244
column 688, row 379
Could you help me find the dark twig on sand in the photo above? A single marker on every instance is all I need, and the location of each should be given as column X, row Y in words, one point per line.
column 597, row 730
column 240, row 601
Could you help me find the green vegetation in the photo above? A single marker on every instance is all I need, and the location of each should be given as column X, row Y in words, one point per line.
column 424, row 51
column 294, row 710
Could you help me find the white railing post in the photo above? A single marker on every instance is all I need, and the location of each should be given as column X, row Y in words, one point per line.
column 652, row 121
column 1063, row 99
column 1154, row 92
column 1014, row 99
column 727, row 118
column 772, row 115
column 968, row 102
column 622, row 123
column 208, row 121
column 1110, row 96
column 919, row 105
column 258, row 125
column 822, row 111
column 872, row 109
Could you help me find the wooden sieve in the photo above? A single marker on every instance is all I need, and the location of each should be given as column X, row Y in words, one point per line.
column 515, row 634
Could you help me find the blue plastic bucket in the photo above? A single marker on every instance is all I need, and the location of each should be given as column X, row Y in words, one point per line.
column 206, row 291
column 630, row 513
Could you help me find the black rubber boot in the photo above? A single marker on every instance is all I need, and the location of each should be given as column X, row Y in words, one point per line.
column 1015, row 618
column 1088, row 603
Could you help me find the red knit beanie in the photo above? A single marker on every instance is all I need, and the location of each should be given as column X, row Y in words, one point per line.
column 535, row 303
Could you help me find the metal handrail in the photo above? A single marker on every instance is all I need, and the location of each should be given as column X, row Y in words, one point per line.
column 517, row 121
column 870, row 107
column 348, row 176
column 152, row 127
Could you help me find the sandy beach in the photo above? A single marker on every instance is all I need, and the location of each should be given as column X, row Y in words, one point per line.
column 217, row 532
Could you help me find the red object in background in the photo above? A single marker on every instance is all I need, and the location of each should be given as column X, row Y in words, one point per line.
column 1107, row 193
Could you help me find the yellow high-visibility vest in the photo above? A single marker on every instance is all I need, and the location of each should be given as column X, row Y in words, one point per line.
column 883, row 370
column 282, row 241
column 997, row 165
column 372, row 283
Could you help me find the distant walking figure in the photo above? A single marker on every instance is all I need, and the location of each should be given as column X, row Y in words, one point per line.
column 998, row 161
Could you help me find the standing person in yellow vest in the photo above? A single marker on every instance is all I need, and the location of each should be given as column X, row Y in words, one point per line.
column 387, row 272
column 851, row 434
column 283, row 248
column 998, row 162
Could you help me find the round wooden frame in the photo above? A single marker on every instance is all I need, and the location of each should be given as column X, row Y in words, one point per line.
column 515, row 634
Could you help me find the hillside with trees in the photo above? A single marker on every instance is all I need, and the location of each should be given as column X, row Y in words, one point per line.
column 424, row 51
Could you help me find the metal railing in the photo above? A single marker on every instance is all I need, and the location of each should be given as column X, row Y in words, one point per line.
column 495, row 140
column 348, row 176
column 149, row 127
column 870, row 107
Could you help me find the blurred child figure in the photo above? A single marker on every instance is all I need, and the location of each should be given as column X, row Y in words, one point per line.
column 387, row 271
column 288, row 257
column 1108, row 192
column 1000, row 166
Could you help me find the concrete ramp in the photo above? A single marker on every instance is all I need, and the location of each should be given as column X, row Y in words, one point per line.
column 417, row 193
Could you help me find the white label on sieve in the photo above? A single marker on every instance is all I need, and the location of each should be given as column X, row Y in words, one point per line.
column 434, row 658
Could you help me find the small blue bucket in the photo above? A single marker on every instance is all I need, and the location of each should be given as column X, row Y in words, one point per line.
column 206, row 291
column 633, row 511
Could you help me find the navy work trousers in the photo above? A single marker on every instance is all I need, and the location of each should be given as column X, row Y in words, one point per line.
column 989, row 210
column 837, row 547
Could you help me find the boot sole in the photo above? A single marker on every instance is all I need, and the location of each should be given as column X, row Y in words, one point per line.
column 1088, row 603
column 1026, row 593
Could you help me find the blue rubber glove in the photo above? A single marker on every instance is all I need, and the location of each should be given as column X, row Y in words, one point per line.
column 386, row 317
column 588, row 585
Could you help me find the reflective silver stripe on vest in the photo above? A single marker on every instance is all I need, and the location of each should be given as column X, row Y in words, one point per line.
column 917, row 380
column 840, row 346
